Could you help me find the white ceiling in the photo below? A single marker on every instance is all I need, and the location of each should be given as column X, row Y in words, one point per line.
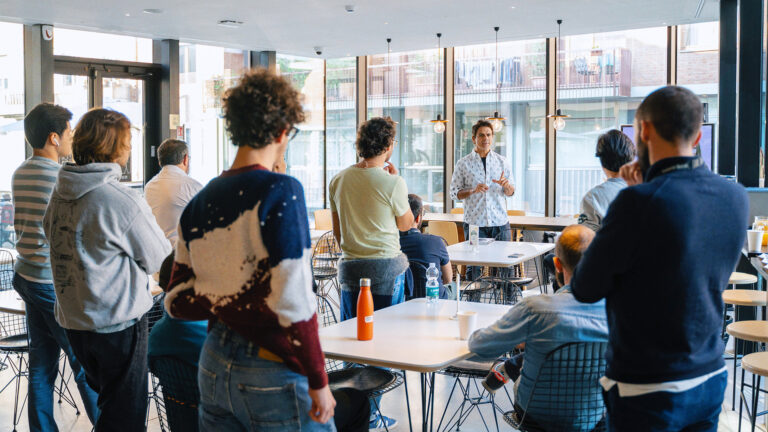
column 297, row 26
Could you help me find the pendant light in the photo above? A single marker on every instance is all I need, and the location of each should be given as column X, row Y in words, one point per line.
column 386, row 79
column 439, row 124
column 497, row 120
column 559, row 123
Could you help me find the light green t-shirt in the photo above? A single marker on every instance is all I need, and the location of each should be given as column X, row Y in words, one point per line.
column 367, row 201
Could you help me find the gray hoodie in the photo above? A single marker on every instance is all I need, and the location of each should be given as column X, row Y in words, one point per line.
column 104, row 243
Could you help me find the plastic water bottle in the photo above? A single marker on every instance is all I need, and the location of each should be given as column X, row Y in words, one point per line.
column 433, row 287
column 474, row 238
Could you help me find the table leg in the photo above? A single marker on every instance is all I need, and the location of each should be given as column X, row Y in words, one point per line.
column 407, row 401
column 427, row 401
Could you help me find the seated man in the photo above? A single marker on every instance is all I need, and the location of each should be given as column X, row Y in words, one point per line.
column 425, row 248
column 543, row 323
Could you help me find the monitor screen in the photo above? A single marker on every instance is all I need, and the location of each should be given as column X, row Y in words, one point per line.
column 705, row 145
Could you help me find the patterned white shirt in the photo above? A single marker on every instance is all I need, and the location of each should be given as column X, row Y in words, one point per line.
column 482, row 209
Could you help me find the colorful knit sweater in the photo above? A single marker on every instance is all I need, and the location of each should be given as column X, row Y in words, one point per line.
column 244, row 258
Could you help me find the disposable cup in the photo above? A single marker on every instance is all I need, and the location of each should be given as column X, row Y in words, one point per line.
column 467, row 324
column 754, row 240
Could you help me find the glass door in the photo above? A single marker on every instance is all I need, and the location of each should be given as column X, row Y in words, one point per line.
column 127, row 96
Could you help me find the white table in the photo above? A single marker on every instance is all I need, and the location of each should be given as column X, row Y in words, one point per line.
column 497, row 253
column 406, row 337
column 533, row 223
column 11, row 302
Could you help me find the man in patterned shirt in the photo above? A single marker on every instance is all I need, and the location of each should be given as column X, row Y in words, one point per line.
column 483, row 180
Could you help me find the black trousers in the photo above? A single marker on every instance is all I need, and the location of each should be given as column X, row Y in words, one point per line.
column 353, row 410
column 115, row 367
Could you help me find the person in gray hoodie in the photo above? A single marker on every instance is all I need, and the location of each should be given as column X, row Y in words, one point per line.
column 104, row 242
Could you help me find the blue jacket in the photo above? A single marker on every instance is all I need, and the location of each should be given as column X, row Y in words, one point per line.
column 661, row 260
column 543, row 322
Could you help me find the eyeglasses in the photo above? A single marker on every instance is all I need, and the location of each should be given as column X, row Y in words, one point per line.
column 292, row 132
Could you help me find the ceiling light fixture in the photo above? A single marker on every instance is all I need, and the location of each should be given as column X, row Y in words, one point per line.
column 559, row 123
column 153, row 11
column 438, row 124
column 497, row 120
column 228, row 23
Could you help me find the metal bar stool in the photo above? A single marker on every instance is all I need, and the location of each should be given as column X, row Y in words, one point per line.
column 739, row 298
column 751, row 331
column 757, row 365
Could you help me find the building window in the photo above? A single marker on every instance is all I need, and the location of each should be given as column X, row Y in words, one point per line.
column 76, row 43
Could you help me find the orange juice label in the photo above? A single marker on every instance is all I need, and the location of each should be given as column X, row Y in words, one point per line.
column 369, row 319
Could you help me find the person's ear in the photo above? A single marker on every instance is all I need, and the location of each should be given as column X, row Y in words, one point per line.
column 558, row 264
column 645, row 130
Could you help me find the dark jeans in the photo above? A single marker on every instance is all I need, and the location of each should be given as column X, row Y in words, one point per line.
column 697, row 409
column 116, row 367
column 46, row 339
column 352, row 410
column 501, row 232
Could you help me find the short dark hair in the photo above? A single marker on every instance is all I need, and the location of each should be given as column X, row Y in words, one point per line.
column 479, row 124
column 675, row 112
column 417, row 206
column 43, row 120
column 101, row 135
column 614, row 149
column 260, row 107
column 375, row 136
column 572, row 244
column 172, row 152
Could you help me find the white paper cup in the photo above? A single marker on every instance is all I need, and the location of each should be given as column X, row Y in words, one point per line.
column 754, row 240
column 467, row 324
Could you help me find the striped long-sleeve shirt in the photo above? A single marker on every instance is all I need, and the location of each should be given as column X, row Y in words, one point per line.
column 32, row 186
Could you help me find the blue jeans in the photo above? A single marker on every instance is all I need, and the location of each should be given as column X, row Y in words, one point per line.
column 240, row 391
column 697, row 409
column 349, row 299
column 46, row 338
column 501, row 232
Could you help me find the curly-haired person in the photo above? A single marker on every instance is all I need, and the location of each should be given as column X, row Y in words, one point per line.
column 243, row 263
column 369, row 206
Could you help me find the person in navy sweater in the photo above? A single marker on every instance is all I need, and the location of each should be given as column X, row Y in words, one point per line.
column 667, row 247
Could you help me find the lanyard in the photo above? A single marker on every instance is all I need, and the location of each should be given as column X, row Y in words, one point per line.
column 687, row 165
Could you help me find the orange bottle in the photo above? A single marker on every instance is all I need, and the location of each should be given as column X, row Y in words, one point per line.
column 365, row 311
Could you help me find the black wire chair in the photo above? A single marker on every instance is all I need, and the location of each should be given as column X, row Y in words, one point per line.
column 419, row 272
column 495, row 290
column 176, row 395
column 566, row 394
column 372, row 381
column 154, row 315
column 325, row 260
column 7, row 262
column 14, row 344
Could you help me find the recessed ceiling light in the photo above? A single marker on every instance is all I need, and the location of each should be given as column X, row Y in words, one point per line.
column 512, row 7
column 386, row 23
column 153, row 11
column 228, row 23
column 127, row 14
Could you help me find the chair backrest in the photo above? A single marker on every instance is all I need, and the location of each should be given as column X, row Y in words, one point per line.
column 180, row 394
column 494, row 290
column 419, row 272
column 323, row 220
column 515, row 212
column 326, row 316
column 567, row 388
column 446, row 230
column 457, row 210
column 155, row 312
column 326, row 252
column 7, row 261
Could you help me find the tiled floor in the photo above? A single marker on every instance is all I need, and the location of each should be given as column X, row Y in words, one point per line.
column 393, row 406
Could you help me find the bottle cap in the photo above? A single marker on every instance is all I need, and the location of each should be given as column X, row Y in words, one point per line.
column 365, row 282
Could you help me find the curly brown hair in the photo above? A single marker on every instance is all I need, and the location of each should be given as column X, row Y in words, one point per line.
column 260, row 108
column 101, row 135
column 375, row 136
column 481, row 123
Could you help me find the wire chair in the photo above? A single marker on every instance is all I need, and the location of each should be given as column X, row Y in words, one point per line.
column 7, row 262
column 494, row 290
column 419, row 272
column 372, row 381
column 566, row 394
column 174, row 384
column 14, row 343
column 154, row 315
column 325, row 260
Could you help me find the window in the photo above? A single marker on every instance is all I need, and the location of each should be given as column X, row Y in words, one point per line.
column 602, row 78
column 305, row 155
column 406, row 89
column 76, row 43
column 698, row 69
column 207, row 74
column 522, row 77
column 340, row 116
column 11, row 122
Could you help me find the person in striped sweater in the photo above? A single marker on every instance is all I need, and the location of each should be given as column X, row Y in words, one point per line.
column 48, row 131
column 243, row 263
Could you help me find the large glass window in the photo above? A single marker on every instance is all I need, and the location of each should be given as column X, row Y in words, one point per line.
column 305, row 155
column 521, row 75
column 698, row 68
column 602, row 78
column 407, row 88
column 11, row 122
column 76, row 43
column 205, row 73
column 340, row 115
